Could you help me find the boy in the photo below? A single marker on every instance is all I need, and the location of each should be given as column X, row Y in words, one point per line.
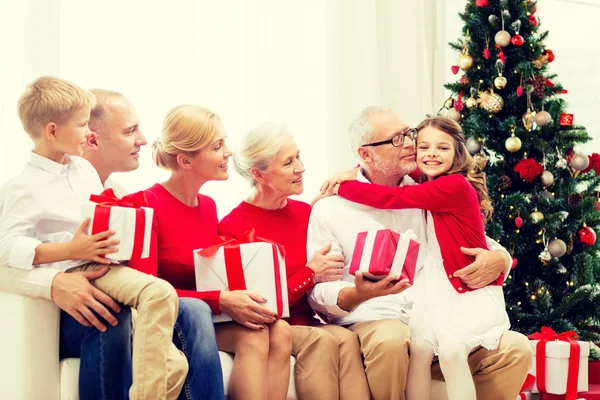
column 40, row 228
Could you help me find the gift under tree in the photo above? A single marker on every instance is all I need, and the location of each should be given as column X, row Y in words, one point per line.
column 545, row 193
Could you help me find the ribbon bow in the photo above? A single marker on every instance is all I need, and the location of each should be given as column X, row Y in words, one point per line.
column 108, row 198
column 247, row 237
column 548, row 335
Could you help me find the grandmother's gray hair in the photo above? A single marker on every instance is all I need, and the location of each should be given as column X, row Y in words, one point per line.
column 360, row 130
column 258, row 147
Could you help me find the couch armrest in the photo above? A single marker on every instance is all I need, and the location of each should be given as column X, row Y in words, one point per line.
column 28, row 348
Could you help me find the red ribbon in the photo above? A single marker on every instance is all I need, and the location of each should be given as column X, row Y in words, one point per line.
column 528, row 382
column 234, row 266
column 108, row 199
column 547, row 335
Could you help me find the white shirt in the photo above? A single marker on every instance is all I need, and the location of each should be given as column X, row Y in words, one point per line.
column 41, row 205
column 337, row 221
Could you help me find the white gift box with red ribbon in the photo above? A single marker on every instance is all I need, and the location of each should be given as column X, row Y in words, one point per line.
column 383, row 252
column 257, row 267
column 128, row 217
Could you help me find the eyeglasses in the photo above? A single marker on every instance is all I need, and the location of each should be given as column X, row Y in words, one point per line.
column 398, row 139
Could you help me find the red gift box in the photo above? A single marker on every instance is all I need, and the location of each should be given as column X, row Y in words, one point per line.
column 383, row 252
column 566, row 119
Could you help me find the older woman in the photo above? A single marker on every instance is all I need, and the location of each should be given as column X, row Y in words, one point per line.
column 328, row 359
column 192, row 146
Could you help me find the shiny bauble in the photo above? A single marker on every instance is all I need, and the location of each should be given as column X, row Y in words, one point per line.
column 500, row 82
column 472, row 102
column 586, row 236
column 557, row 248
column 473, row 145
column 528, row 119
column 453, row 114
column 536, row 217
column 547, row 178
column 513, row 144
column 491, row 102
column 542, row 118
column 502, row 38
column 465, row 62
column 579, row 162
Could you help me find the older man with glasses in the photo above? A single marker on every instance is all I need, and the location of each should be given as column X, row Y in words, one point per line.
column 378, row 312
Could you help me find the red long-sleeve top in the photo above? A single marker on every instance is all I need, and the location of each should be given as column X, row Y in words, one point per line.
column 454, row 205
column 178, row 230
column 287, row 226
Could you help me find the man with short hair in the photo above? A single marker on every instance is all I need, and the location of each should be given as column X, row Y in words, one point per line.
column 379, row 311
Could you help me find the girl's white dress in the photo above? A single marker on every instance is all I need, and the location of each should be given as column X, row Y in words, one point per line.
column 440, row 313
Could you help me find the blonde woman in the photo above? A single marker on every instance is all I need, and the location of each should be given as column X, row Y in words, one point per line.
column 192, row 146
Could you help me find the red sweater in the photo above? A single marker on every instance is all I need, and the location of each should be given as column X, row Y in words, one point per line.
column 178, row 230
column 286, row 226
column 454, row 205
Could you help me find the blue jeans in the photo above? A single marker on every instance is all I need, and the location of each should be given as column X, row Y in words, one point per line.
column 194, row 335
column 105, row 369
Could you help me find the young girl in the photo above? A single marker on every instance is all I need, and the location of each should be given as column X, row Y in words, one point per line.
column 448, row 319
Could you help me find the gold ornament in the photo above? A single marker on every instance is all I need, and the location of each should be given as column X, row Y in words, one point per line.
column 528, row 119
column 547, row 178
column 480, row 161
column 454, row 114
column 540, row 61
column 557, row 248
column 500, row 82
column 579, row 162
column 491, row 102
column 448, row 104
column 472, row 102
column 465, row 62
column 536, row 217
column 502, row 38
column 473, row 146
column 513, row 144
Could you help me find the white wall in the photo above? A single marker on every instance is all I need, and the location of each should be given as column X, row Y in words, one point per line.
column 571, row 25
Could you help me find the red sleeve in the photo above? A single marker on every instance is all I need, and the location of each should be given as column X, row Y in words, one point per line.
column 299, row 283
column 445, row 194
column 212, row 298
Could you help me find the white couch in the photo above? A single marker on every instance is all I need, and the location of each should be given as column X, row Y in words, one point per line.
column 29, row 367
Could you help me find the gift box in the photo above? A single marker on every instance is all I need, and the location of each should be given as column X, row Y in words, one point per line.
column 383, row 252
column 525, row 393
column 524, row 396
column 561, row 363
column 128, row 217
column 257, row 267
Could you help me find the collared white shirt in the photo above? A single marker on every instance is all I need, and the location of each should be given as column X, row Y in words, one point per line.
column 41, row 205
column 337, row 221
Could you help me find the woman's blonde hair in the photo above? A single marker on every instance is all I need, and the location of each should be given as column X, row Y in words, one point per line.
column 49, row 99
column 463, row 162
column 187, row 129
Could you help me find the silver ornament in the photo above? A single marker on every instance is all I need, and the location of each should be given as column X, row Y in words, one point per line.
column 579, row 162
column 473, row 145
column 502, row 38
column 547, row 178
column 557, row 248
column 562, row 269
column 545, row 256
column 561, row 163
column 548, row 195
column 453, row 114
column 563, row 214
column 542, row 118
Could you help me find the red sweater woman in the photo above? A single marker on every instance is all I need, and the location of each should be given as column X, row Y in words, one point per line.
column 328, row 360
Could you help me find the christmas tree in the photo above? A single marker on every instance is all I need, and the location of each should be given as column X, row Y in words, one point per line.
column 522, row 135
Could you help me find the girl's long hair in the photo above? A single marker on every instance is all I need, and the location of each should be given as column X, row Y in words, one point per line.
column 463, row 162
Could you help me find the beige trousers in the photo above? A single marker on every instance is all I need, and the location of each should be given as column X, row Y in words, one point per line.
column 159, row 368
column 328, row 363
column 385, row 346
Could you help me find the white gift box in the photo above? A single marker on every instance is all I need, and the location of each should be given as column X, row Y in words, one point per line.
column 123, row 221
column 262, row 271
column 557, row 366
column 524, row 396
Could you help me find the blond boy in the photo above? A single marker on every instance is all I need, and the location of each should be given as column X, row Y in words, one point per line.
column 40, row 228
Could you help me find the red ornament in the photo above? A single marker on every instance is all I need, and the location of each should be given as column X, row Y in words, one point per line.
column 550, row 55
column 481, row 3
column 529, row 169
column 597, row 205
column 520, row 91
column 454, row 69
column 566, row 119
column 519, row 222
column 486, row 53
column 533, row 20
column 594, row 163
column 514, row 263
column 501, row 55
column 586, row 236
column 458, row 104
column 549, row 83
column 517, row 40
